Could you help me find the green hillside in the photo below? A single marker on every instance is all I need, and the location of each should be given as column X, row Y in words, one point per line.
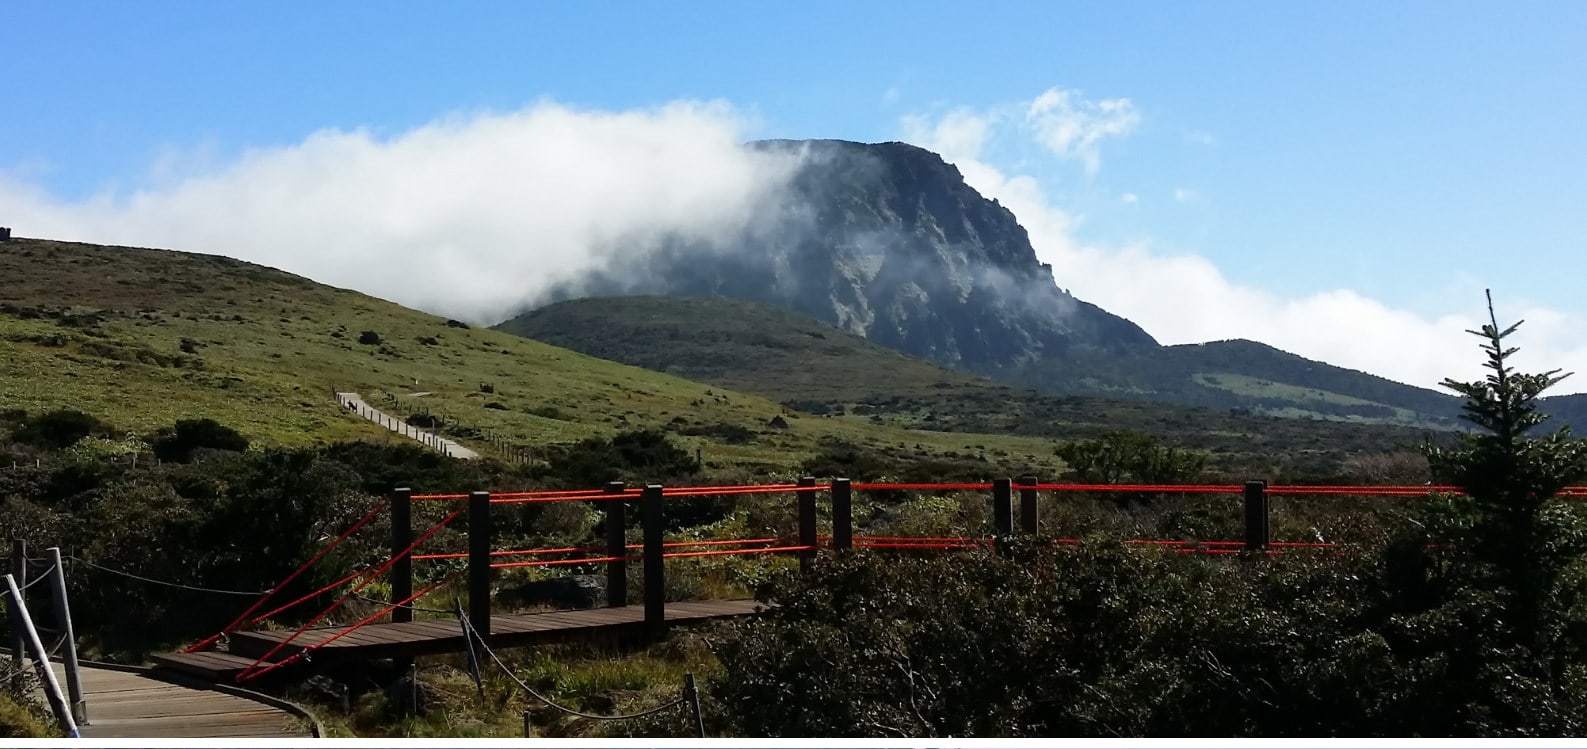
column 757, row 348
column 1247, row 376
column 142, row 337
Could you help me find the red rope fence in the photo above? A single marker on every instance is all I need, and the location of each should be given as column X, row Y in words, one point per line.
column 617, row 553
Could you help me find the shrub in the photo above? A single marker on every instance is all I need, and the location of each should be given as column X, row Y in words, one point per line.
column 58, row 430
column 369, row 338
column 190, row 435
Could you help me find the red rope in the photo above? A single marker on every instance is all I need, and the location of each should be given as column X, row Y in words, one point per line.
column 423, row 497
column 718, row 492
column 250, row 674
column 383, row 567
column 554, row 562
column 730, row 552
column 514, row 500
column 550, row 492
column 512, row 553
column 280, row 609
column 317, row 557
column 1158, row 488
column 922, row 487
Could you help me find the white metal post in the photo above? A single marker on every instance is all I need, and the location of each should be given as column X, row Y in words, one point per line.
column 63, row 614
column 52, row 688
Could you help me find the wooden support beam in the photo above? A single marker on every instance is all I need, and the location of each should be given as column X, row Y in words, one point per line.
column 1002, row 507
column 1257, row 509
column 479, row 543
column 655, row 570
column 401, row 573
column 807, row 524
column 842, row 514
column 616, row 546
column 1028, row 520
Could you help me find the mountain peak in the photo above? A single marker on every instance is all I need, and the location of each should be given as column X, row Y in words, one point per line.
column 887, row 241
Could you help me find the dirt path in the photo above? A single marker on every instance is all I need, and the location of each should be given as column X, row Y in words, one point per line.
column 353, row 402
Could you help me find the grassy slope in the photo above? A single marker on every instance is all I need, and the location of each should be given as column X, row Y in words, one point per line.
column 741, row 345
column 784, row 356
column 1247, row 375
column 101, row 329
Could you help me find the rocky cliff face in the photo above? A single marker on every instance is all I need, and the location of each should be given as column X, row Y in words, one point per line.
column 888, row 242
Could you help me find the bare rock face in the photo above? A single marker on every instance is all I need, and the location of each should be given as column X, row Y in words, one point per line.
column 888, row 242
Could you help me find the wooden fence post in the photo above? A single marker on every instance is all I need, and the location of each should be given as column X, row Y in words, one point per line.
column 655, row 571
column 401, row 574
column 479, row 564
column 1027, row 505
column 19, row 652
column 1002, row 507
column 63, row 619
column 807, row 524
column 616, row 546
column 842, row 514
column 1257, row 510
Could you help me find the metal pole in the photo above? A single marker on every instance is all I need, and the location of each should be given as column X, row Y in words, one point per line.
column 19, row 570
column 63, row 617
column 692, row 696
column 52, row 688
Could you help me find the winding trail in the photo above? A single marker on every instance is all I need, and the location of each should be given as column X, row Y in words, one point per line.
column 354, row 402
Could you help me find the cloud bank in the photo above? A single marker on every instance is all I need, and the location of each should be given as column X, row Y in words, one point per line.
column 1183, row 298
column 473, row 215
column 469, row 216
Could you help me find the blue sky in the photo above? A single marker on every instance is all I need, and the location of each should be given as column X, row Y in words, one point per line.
column 1406, row 153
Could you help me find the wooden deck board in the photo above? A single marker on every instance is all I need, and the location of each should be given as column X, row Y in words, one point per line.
column 439, row 636
column 124, row 704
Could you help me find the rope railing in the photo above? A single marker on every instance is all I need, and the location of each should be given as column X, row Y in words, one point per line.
column 475, row 638
column 239, row 621
column 253, row 671
column 366, row 581
column 616, row 553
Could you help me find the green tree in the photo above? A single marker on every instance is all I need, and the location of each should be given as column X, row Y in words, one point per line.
column 1522, row 536
column 1123, row 457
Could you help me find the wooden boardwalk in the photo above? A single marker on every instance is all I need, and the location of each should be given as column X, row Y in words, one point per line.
column 437, row 636
column 126, row 702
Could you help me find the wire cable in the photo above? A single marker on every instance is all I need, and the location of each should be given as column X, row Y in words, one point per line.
column 124, row 573
column 38, row 579
column 568, row 710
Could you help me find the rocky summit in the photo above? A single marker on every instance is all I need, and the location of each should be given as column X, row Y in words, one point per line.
column 888, row 242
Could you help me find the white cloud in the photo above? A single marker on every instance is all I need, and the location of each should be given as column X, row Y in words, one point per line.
column 1072, row 127
column 1185, row 195
column 1184, row 298
column 467, row 216
column 1129, row 198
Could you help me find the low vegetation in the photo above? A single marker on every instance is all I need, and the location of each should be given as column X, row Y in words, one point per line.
column 1458, row 614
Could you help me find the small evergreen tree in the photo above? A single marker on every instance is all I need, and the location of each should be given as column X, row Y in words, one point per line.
column 1517, row 531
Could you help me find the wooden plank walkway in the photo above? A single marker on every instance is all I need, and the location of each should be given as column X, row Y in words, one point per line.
column 437, row 636
column 138, row 704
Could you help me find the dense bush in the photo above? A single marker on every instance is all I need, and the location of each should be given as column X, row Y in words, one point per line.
column 190, row 435
column 56, row 430
column 1468, row 621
